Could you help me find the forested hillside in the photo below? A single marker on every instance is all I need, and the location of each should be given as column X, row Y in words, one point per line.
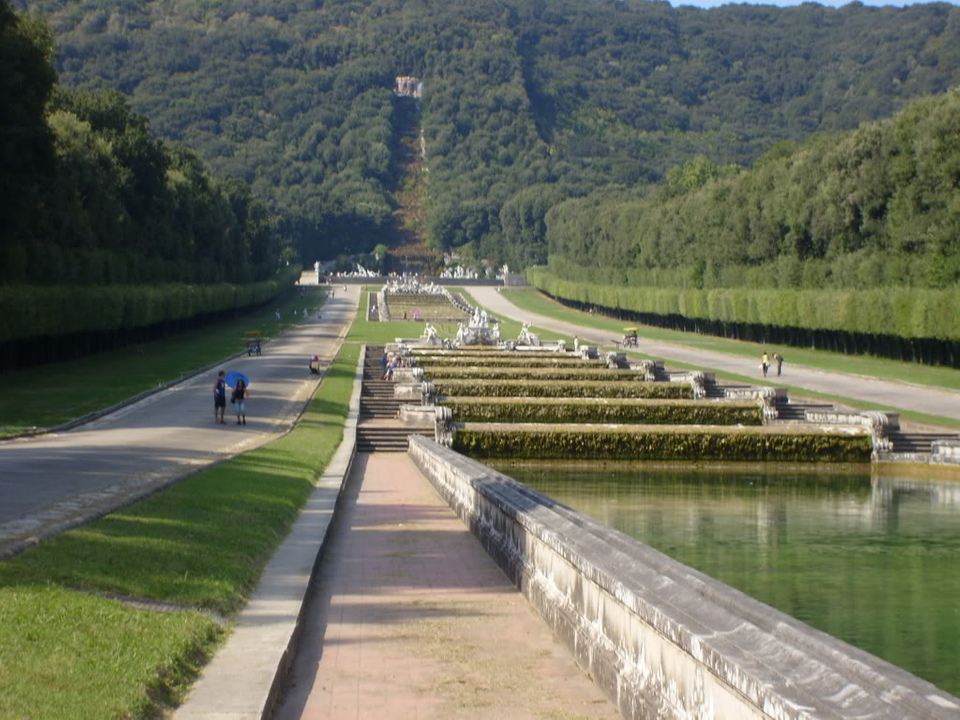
column 876, row 207
column 109, row 234
column 526, row 102
column 92, row 197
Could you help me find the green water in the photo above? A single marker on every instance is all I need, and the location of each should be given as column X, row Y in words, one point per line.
column 875, row 562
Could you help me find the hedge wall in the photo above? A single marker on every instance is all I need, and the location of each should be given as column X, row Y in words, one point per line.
column 602, row 410
column 562, row 389
column 560, row 360
column 34, row 311
column 530, row 373
column 904, row 312
column 544, row 442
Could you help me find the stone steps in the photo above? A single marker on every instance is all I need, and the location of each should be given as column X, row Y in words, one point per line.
column 385, row 439
column 916, row 443
column 797, row 412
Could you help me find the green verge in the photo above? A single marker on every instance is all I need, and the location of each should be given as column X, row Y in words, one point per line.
column 562, row 389
column 901, row 311
column 203, row 543
column 680, row 443
column 47, row 396
column 380, row 333
column 597, row 410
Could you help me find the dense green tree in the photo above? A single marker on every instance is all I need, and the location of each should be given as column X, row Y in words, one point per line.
column 294, row 98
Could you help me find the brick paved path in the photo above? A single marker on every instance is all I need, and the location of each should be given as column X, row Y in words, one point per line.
column 412, row 619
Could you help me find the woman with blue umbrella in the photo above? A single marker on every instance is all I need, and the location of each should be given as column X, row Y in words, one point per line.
column 241, row 391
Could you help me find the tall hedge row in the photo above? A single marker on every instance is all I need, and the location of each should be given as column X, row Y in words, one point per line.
column 903, row 312
column 545, row 442
column 32, row 311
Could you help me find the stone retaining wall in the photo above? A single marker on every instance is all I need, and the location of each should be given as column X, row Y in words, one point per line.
column 946, row 452
column 661, row 639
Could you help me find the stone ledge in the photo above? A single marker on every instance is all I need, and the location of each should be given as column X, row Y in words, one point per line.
column 661, row 639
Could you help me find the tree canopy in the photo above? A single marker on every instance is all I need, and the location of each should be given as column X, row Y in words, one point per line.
column 526, row 102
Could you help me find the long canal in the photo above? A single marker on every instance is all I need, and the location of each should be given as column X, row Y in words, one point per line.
column 872, row 560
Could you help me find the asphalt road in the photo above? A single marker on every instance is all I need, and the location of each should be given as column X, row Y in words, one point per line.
column 894, row 396
column 58, row 480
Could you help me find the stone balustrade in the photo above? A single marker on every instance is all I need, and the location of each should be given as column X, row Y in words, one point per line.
column 661, row 639
column 945, row 452
column 880, row 423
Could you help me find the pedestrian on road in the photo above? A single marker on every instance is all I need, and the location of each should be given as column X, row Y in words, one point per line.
column 764, row 363
column 277, row 313
column 240, row 398
column 219, row 398
column 778, row 359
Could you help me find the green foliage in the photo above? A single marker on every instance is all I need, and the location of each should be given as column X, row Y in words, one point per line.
column 525, row 104
column 875, row 208
column 542, row 360
column 544, row 442
column 479, row 372
column 31, row 311
column 27, row 79
column 74, row 653
column 599, row 410
column 903, row 312
column 561, row 389
column 92, row 197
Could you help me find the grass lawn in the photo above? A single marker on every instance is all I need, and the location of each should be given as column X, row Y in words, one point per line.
column 54, row 394
column 69, row 652
column 386, row 332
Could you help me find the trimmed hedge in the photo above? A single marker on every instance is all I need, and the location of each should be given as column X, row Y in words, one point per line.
column 528, row 362
column 545, row 442
column 38, row 311
column 562, row 389
column 903, row 312
column 603, row 410
column 529, row 373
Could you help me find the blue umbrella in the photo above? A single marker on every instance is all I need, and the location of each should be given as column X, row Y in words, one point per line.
column 232, row 378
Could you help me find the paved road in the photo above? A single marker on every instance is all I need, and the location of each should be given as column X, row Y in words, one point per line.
column 893, row 395
column 57, row 480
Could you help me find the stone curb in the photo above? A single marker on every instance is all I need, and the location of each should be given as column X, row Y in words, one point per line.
column 244, row 679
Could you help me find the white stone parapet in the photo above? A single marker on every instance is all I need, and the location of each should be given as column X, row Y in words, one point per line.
column 946, row 452
column 661, row 639
column 880, row 423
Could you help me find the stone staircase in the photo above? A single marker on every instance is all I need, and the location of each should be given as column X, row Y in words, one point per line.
column 797, row 412
column 378, row 429
column 915, row 443
column 718, row 391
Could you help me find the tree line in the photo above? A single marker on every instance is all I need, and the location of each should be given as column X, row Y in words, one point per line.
column 527, row 103
column 93, row 197
column 878, row 207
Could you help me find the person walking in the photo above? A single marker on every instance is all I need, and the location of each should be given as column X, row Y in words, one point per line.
column 778, row 359
column 219, row 398
column 764, row 363
column 240, row 398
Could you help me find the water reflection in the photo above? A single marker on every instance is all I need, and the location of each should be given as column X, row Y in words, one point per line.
column 874, row 561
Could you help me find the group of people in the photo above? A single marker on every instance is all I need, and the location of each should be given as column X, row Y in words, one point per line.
column 765, row 363
column 238, row 396
column 389, row 362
